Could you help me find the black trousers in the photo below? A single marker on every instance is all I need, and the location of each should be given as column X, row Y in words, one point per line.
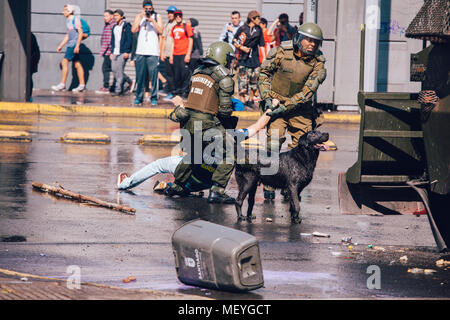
column 169, row 75
column 182, row 76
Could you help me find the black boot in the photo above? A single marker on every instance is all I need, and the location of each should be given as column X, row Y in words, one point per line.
column 217, row 195
column 175, row 190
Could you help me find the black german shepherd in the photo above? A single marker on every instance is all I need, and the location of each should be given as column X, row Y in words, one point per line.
column 296, row 168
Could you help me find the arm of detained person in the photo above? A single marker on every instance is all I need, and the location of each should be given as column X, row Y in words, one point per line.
column 137, row 22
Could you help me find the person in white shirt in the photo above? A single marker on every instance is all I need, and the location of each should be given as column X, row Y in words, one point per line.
column 230, row 28
column 166, row 50
column 149, row 25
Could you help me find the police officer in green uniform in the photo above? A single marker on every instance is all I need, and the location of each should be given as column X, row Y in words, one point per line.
column 209, row 106
column 288, row 79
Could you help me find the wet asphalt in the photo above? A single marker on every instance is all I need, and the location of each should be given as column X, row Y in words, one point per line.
column 108, row 246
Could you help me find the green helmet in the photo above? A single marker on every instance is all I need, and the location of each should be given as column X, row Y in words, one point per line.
column 221, row 52
column 310, row 30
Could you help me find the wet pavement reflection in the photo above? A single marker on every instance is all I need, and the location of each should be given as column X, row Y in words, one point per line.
column 110, row 246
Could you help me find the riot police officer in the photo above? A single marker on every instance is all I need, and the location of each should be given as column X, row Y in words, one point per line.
column 288, row 79
column 209, row 103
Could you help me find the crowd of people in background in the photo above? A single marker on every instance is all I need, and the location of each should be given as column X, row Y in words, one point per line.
column 165, row 55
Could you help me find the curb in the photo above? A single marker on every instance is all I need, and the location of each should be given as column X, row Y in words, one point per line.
column 119, row 292
column 142, row 112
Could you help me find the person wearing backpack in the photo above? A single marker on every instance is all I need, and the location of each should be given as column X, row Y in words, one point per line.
column 180, row 57
column 75, row 34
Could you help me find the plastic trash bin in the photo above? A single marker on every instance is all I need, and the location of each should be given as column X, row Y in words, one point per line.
column 213, row 256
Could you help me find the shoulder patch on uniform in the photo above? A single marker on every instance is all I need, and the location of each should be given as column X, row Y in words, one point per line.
column 287, row 45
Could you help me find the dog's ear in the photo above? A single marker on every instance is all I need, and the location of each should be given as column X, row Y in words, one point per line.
column 303, row 140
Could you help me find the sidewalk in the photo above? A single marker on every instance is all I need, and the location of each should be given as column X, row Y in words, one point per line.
column 20, row 286
column 89, row 103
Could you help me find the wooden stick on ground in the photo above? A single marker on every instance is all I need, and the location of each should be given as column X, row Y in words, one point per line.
column 81, row 198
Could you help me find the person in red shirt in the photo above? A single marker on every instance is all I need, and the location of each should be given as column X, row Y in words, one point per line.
column 183, row 41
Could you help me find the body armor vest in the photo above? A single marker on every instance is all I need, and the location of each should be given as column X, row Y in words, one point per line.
column 203, row 95
column 291, row 76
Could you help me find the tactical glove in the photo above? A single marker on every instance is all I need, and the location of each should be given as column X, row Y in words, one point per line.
column 267, row 104
column 277, row 112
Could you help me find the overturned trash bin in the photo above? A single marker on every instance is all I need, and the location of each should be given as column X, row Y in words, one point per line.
column 213, row 256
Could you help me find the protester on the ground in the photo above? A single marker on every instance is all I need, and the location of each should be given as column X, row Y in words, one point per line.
column 197, row 47
column 149, row 25
column 201, row 178
column 180, row 57
column 73, row 40
column 121, row 43
column 166, row 51
column 247, row 40
column 230, row 28
column 284, row 30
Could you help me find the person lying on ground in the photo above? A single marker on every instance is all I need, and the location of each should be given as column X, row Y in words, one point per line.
column 201, row 177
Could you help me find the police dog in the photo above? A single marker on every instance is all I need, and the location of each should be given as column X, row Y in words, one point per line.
column 296, row 168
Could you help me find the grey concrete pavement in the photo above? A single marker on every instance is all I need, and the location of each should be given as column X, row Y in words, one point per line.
column 109, row 246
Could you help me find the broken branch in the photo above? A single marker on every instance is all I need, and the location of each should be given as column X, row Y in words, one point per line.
column 61, row 192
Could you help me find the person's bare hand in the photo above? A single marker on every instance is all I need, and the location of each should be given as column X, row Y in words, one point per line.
column 76, row 50
column 275, row 103
column 230, row 28
column 178, row 101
